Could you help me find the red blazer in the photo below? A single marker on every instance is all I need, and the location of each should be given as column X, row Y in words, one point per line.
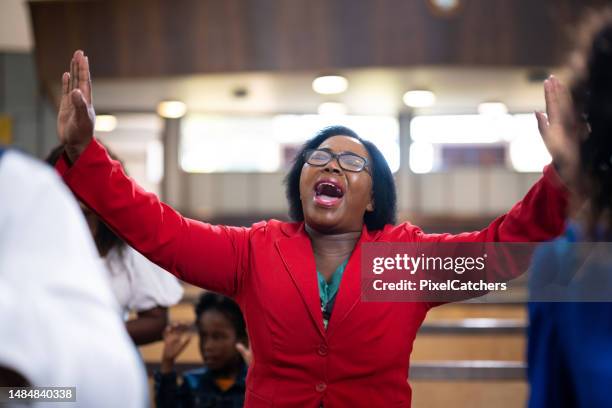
column 362, row 359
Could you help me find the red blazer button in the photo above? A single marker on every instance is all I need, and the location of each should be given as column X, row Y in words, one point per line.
column 323, row 350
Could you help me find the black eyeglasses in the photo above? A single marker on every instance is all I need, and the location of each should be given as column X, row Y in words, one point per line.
column 347, row 161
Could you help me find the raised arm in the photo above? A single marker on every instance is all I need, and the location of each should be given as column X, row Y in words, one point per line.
column 541, row 214
column 212, row 257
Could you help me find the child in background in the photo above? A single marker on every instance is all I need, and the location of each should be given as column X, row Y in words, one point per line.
column 221, row 382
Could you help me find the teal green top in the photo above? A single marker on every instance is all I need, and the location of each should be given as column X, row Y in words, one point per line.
column 328, row 291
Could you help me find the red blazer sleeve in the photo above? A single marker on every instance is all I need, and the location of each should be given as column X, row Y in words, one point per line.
column 539, row 216
column 209, row 256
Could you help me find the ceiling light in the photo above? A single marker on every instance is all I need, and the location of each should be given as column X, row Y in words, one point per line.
column 332, row 109
column 492, row 108
column 171, row 109
column 445, row 5
column 330, row 84
column 105, row 123
column 419, row 98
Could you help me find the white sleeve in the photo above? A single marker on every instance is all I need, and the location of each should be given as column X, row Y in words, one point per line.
column 150, row 285
column 60, row 321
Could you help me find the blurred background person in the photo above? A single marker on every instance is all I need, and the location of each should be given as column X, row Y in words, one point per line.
column 139, row 285
column 59, row 320
column 222, row 344
column 570, row 342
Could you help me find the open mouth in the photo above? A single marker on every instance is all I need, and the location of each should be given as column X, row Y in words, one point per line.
column 328, row 193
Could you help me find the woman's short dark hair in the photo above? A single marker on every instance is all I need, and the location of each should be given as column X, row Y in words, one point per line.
column 211, row 301
column 383, row 185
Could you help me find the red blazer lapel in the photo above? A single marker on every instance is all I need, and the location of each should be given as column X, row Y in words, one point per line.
column 298, row 258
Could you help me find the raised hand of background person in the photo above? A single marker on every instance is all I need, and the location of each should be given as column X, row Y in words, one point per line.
column 76, row 117
column 245, row 352
column 176, row 338
column 560, row 130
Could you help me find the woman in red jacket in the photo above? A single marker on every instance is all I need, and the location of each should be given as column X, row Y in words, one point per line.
column 314, row 342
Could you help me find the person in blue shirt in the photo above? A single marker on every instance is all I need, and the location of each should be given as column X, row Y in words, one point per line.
column 220, row 383
column 570, row 324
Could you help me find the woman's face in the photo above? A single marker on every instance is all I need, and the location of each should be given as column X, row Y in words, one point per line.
column 335, row 200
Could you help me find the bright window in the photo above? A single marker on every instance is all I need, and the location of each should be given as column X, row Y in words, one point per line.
column 443, row 142
column 269, row 143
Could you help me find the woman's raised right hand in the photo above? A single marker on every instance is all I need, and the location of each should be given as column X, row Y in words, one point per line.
column 76, row 117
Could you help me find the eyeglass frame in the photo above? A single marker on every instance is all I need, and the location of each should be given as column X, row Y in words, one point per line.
column 336, row 156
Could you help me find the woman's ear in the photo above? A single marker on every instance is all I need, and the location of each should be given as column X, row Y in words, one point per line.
column 370, row 206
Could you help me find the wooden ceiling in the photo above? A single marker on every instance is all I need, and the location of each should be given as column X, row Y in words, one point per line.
column 162, row 38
